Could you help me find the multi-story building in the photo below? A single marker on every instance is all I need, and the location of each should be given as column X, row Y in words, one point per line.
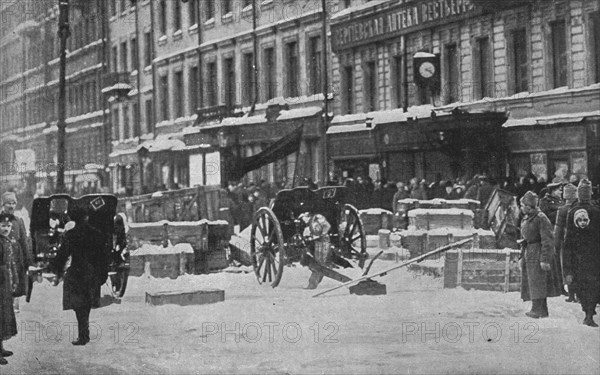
column 517, row 89
column 262, row 78
column 29, row 88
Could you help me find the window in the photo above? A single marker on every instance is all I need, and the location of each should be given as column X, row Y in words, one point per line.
column 226, row 4
column 210, row 9
column 194, row 89
column 126, row 134
column 397, row 81
column 177, row 15
column 229, row 79
column 347, row 3
column 178, row 94
column 115, row 59
column 115, row 124
column 134, row 54
column 314, row 67
column 452, row 85
column 147, row 48
column 136, row 121
column 164, row 90
column 348, row 89
column 559, row 53
column 193, row 12
column 163, row 17
column 483, row 83
column 595, row 43
column 292, row 69
column 211, row 84
column 248, row 88
column 370, row 85
column 124, row 56
column 520, row 61
column 270, row 73
column 113, row 7
column 123, row 5
column 149, row 115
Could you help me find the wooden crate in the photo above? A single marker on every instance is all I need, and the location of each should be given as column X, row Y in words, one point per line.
column 483, row 269
column 428, row 219
column 374, row 220
column 184, row 298
column 420, row 242
column 162, row 265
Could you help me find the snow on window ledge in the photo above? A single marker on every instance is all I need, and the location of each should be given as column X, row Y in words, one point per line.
column 177, row 34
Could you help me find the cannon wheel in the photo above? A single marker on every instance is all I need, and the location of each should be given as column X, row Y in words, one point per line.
column 266, row 247
column 353, row 242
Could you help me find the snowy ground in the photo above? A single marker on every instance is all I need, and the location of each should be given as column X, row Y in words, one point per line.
column 418, row 327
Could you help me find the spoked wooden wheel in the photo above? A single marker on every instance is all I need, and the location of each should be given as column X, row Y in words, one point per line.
column 266, row 247
column 353, row 242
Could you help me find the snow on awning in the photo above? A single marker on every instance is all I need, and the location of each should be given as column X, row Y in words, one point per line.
column 158, row 145
column 298, row 113
column 117, row 86
column 564, row 118
column 352, row 128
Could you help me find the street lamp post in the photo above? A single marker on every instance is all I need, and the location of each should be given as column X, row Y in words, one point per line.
column 63, row 34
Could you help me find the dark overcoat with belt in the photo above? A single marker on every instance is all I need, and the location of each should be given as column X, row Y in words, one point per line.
column 536, row 283
column 88, row 269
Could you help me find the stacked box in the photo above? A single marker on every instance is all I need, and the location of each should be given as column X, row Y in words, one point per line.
column 161, row 265
column 428, row 218
column 483, row 269
column 419, row 242
column 375, row 219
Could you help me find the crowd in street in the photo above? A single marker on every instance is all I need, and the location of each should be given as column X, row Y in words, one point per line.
column 364, row 193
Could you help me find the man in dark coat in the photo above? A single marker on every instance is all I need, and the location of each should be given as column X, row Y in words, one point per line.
column 87, row 272
column 570, row 197
column 8, row 323
column 582, row 251
column 22, row 255
column 538, row 278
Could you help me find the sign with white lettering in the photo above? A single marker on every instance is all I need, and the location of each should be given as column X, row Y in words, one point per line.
column 405, row 18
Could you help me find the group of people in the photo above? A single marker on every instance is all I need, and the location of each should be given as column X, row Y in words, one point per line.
column 88, row 269
column 561, row 245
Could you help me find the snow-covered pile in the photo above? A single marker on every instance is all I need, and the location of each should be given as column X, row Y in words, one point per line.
column 444, row 211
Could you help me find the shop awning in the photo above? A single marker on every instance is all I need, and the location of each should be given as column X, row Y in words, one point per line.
column 563, row 118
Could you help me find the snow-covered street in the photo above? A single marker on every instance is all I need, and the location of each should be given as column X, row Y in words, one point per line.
column 418, row 327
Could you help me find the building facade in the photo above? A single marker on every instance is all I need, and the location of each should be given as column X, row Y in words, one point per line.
column 516, row 92
column 29, row 87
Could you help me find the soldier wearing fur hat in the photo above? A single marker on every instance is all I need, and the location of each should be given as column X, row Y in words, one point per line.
column 23, row 256
column 539, row 279
column 570, row 198
column 551, row 201
column 581, row 260
column 8, row 324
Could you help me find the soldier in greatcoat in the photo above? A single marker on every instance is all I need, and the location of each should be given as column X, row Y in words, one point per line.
column 551, row 201
column 582, row 251
column 23, row 256
column 8, row 324
column 87, row 272
column 539, row 280
column 560, row 227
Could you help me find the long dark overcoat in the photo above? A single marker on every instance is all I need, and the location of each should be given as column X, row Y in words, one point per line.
column 536, row 283
column 22, row 255
column 582, row 252
column 8, row 323
column 88, row 269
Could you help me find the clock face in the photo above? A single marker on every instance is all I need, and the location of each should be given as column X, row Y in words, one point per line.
column 427, row 69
